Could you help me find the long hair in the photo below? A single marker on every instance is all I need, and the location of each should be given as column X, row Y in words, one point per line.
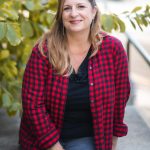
column 57, row 41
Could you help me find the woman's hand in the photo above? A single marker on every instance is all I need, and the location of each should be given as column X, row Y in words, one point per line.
column 114, row 143
column 56, row 146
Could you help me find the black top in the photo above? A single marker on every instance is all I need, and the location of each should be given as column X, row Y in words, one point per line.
column 77, row 117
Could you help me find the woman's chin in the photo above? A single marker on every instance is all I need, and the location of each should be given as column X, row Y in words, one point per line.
column 76, row 30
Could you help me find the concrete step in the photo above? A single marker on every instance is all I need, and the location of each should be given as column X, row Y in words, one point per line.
column 138, row 137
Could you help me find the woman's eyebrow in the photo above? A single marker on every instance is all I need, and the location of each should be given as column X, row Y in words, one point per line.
column 76, row 4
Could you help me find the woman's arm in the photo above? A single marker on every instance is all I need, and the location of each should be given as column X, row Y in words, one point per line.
column 56, row 146
column 114, row 143
column 122, row 91
column 122, row 88
column 33, row 99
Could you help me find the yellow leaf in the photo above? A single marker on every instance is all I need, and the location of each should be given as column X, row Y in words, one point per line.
column 9, row 69
column 12, row 68
column 136, row 9
column 4, row 54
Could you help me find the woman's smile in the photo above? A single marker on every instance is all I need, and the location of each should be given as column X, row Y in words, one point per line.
column 75, row 21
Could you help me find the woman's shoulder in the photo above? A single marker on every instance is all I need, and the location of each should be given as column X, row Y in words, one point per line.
column 105, row 38
column 40, row 48
column 111, row 40
column 111, row 43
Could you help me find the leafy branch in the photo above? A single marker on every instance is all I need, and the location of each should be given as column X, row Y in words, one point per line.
column 139, row 16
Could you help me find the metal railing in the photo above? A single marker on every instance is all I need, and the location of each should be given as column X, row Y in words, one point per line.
column 140, row 49
column 132, row 40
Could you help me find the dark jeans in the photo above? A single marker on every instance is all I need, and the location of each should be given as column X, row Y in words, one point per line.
column 85, row 143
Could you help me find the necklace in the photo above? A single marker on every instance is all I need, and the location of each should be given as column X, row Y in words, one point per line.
column 77, row 59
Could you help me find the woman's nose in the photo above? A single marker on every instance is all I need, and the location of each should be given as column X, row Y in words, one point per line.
column 74, row 12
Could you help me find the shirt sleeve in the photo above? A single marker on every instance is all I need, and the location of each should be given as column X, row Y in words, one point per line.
column 33, row 100
column 122, row 88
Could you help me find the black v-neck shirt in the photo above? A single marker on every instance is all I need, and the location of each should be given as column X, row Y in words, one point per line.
column 77, row 117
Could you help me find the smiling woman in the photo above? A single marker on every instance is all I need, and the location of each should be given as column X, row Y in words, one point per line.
column 77, row 16
column 76, row 85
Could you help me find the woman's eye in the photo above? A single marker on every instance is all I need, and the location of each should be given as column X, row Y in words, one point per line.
column 81, row 6
column 66, row 8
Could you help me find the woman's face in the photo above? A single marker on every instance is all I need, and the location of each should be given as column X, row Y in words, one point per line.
column 77, row 15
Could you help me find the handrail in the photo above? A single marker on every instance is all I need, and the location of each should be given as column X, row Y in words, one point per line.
column 138, row 47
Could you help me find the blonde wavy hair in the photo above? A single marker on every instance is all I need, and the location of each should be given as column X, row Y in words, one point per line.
column 57, row 41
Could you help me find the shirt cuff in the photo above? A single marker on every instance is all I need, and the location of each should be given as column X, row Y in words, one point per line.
column 48, row 140
column 120, row 130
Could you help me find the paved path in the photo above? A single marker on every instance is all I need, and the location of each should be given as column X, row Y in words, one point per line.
column 8, row 132
column 138, row 137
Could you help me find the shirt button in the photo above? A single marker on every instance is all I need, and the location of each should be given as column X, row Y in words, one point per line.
column 91, row 84
column 92, row 101
column 90, row 67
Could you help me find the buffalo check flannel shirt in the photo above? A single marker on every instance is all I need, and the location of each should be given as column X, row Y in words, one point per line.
column 44, row 95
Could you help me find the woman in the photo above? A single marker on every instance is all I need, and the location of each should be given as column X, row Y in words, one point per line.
column 75, row 85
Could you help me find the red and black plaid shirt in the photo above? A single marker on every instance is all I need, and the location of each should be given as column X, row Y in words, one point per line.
column 44, row 97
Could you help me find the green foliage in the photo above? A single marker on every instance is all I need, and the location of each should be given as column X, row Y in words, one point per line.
column 22, row 22
column 13, row 33
column 26, row 29
column 111, row 22
column 3, row 28
column 138, row 17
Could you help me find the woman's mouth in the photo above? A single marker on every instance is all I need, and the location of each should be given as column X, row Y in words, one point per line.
column 75, row 21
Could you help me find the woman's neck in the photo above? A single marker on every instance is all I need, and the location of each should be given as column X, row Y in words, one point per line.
column 78, row 42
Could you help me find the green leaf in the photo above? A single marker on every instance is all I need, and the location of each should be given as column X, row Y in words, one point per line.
column 140, row 27
column 13, row 34
column 115, row 26
column 107, row 22
column 9, row 70
column 29, row 5
column 6, row 102
column 37, row 29
column 10, row 112
column 17, row 5
column 26, row 29
column 138, row 19
column 144, row 21
column 147, row 9
column 33, row 5
column 125, row 12
column 49, row 18
column 136, row 9
column 122, row 25
column 4, row 54
column 3, row 29
column 14, row 107
column 2, row 1
column 10, row 13
column 13, row 68
column 139, row 22
column 134, row 26
column 53, row 5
